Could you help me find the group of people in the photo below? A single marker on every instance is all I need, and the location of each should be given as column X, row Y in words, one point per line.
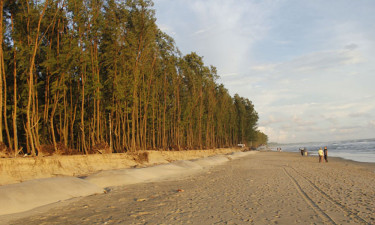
column 323, row 153
column 303, row 151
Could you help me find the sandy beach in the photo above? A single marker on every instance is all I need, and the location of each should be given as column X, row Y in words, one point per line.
column 262, row 188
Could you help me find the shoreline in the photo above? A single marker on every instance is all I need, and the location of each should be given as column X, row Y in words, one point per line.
column 262, row 188
column 361, row 150
column 341, row 159
column 337, row 155
column 370, row 166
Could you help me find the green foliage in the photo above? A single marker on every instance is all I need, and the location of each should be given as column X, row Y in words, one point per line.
column 105, row 73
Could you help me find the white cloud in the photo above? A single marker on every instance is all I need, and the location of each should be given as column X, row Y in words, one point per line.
column 264, row 67
column 308, row 67
column 324, row 60
column 222, row 31
column 313, row 62
column 278, row 135
column 167, row 29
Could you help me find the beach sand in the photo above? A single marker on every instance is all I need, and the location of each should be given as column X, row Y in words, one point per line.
column 262, row 188
column 20, row 169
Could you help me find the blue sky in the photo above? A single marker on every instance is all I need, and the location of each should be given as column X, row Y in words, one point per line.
column 308, row 66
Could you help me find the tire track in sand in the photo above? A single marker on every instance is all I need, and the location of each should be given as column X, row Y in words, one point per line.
column 324, row 216
column 345, row 209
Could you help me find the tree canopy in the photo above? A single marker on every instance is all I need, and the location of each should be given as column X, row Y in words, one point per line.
column 77, row 76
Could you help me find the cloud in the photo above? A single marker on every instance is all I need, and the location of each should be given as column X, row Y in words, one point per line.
column 201, row 31
column 302, row 122
column 279, row 135
column 229, row 75
column 273, row 120
column 351, row 46
column 312, row 62
column 359, row 115
column 167, row 29
column 307, row 67
column 264, row 67
column 223, row 31
column 324, row 60
column 345, row 130
column 319, row 121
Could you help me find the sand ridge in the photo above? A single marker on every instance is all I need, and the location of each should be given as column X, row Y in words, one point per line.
column 16, row 170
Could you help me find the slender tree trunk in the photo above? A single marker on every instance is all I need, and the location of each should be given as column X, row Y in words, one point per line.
column 97, row 93
column 127, row 131
column 51, row 120
column 29, row 121
column 66, row 122
column 73, row 114
column 164, row 141
column 145, row 113
column 200, row 119
column 178, row 138
column 153, row 121
column 110, row 131
column 83, row 139
column 135, row 95
column 14, row 116
column 5, row 99
column 134, row 113
column 35, row 118
column 1, row 69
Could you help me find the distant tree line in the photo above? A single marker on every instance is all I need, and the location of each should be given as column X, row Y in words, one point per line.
column 79, row 75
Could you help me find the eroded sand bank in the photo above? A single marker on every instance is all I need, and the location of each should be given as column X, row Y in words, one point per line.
column 15, row 170
column 264, row 188
column 20, row 197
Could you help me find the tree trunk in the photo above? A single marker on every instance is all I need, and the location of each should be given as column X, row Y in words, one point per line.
column 164, row 141
column 5, row 97
column 30, row 92
column 14, row 115
column 1, row 69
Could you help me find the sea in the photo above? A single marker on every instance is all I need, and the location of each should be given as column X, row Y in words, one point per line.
column 362, row 150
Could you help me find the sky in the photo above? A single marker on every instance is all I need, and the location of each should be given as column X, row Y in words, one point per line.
column 307, row 66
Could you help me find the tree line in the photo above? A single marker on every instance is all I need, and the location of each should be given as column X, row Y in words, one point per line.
column 77, row 76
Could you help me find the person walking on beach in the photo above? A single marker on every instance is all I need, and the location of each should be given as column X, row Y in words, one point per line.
column 320, row 153
column 326, row 154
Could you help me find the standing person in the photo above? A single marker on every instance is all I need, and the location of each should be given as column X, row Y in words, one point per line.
column 326, row 154
column 301, row 149
column 320, row 153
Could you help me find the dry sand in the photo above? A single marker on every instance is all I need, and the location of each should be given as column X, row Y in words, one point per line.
column 16, row 170
column 263, row 188
column 151, row 166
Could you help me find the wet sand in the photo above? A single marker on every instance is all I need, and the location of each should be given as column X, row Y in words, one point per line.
column 264, row 188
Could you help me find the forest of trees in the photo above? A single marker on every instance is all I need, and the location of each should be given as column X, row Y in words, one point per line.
column 81, row 75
